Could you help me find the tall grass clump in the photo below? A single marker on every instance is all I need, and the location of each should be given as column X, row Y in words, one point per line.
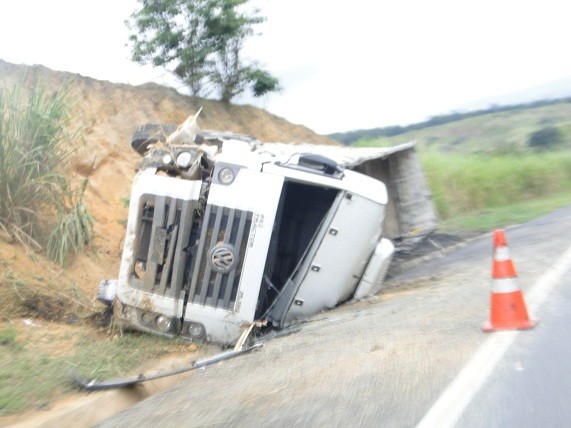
column 39, row 206
column 461, row 184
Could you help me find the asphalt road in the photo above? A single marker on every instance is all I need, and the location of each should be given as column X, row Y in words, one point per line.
column 388, row 361
column 531, row 385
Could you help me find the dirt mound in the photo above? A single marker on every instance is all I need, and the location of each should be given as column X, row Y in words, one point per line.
column 107, row 114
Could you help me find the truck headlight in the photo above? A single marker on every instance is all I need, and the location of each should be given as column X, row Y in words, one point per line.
column 167, row 159
column 163, row 323
column 148, row 318
column 196, row 330
column 226, row 176
column 184, row 159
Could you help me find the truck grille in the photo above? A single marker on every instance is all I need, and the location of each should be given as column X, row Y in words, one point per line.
column 220, row 256
column 164, row 234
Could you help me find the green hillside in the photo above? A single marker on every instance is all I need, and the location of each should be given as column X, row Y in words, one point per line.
column 494, row 132
column 351, row 137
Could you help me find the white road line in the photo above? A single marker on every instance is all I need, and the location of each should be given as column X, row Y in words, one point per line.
column 446, row 411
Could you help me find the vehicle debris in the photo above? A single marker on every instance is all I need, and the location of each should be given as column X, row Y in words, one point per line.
column 94, row 385
column 224, row 231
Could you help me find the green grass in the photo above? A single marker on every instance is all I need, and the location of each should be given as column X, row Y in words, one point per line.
column 464, row 184
column 500, row 217
column 32, row 379
column 73, row 230
column 28, row 379
column 37, row 359
column 114, row 356
column 8, row 336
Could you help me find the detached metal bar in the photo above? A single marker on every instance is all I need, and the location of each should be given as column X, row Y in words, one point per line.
column 93, row 385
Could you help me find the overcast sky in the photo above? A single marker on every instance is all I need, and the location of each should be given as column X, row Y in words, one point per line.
column 343, row 64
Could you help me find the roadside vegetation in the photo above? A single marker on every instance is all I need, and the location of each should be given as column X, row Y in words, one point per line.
column 43, row 210
column 49, row 331
column 483, row 192
column 493, row 170
column 49, row 326
column 39, row 206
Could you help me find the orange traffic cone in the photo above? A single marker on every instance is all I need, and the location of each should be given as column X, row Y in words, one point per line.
column 508, row 310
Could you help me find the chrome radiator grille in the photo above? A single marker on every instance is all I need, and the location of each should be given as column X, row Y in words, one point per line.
column 220, row 256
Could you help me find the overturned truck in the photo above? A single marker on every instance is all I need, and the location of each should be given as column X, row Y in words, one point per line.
column 224, row 232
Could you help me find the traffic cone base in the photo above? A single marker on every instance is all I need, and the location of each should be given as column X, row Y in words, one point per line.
column 487, row 327
column 508, row 313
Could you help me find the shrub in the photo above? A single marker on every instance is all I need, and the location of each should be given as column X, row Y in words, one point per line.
column 37, row 201
column 545, row 138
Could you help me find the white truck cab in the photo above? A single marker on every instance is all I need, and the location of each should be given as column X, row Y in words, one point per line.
column 224, row 232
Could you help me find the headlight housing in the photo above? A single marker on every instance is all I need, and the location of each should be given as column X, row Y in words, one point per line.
column 196, row 330
column 226, row 176
column 163, row 323
column 167, row 159
column 184, row 159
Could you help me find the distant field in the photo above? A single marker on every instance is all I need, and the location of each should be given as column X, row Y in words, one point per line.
column 462, row 184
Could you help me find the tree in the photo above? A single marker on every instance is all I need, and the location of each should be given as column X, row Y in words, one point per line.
column 201, row 42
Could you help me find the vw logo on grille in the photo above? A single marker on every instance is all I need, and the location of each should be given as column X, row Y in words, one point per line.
column 222, row 258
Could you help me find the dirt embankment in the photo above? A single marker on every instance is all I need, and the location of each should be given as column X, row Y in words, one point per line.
column 107, row 114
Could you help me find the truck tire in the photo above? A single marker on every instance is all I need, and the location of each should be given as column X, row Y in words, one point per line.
column 150, row 133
